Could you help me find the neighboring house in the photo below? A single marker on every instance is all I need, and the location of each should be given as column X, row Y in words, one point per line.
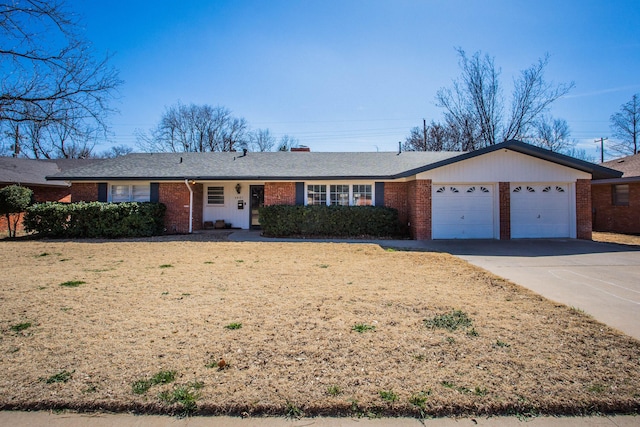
column 616, row 201
column 509, row 190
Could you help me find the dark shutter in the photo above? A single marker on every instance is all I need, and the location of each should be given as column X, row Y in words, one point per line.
column 299, row 193
column 154, row 195
column 379, row 193
column 102, row 191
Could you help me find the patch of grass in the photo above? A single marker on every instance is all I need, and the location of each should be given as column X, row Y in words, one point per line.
column 185, row 396
column 596, row 388
column 324, row 266
column 162, row 377
column 165, row 293
column 43, row 254
column 391, row 250
column 291, row 410
column 388, row 395
column 72, row 283
column 65, row 309
column 166, row 266
column 239, row 260
column 450, row 321
column 60, row 377
column 334, row 390
column 234, row 325
column 419, row 399
column 473, row 333
column 480, row 391
column 20, row 327
column 450, row 340
column 362, row 327
column 502, row 344
column 90, row 389
column 208, row 262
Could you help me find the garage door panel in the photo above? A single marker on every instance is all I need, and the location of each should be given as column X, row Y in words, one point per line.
column 539, row 211
column 462, row 212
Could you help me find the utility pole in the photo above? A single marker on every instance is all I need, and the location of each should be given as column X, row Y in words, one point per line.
column 602, row 140
column 424, row 129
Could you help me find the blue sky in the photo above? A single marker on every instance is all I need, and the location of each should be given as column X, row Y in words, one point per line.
column 355, row 75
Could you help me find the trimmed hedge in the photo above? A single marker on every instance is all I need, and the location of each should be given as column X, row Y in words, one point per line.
column 95, row 219
column 335, row 221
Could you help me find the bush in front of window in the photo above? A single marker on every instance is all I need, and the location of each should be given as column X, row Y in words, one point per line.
column 95, row 219
column 334, row 221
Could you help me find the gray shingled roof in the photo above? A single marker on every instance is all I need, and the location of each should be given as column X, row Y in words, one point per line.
column 255, row 166
column 34, row 172
column 295, row 165
column 629, row 166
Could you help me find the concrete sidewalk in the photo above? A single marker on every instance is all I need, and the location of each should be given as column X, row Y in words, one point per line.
column 37, row 419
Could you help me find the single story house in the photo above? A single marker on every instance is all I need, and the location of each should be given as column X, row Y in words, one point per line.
column 616, row 201
column 509, row 190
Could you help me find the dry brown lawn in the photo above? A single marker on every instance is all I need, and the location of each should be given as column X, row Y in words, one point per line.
column 149, row 307
column 623, row 239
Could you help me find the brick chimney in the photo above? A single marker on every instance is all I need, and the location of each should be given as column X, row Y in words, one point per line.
column 302, row 148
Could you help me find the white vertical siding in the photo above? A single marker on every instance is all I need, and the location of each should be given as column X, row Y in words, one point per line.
column 229, row 212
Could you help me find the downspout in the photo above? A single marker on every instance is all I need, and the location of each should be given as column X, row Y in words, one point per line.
column 186, row 182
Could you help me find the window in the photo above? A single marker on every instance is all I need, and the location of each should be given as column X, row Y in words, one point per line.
column 362, row 195
column 620, row 195
column 131, row 193
column 316, row 195
column 215, row 196
column 339, row 195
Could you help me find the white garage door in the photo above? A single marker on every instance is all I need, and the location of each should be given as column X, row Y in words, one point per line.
column 540, row 210
column 462, row 211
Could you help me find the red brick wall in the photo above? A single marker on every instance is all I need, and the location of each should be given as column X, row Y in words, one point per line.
column 84, row 192
column 51, row 194
column 419, row 199
column 279, row 193
column 504, row 191
column 620, row 219
column 583, row 209
column 175, row 196
column 396, row 196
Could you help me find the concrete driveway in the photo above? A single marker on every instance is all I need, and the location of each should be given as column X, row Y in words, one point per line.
column 602, row 279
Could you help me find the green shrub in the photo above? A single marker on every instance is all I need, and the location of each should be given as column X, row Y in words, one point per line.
column 335, row 221
column 14, row 199
column 96, row 219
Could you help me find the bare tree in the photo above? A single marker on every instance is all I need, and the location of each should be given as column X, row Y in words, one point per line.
column 195, row 128
column 552, row 134
column 625, row 125
column 261, row 140
column 287, row 143
column 114, row 151
column 475, row 105
column 436, row 137
column 49, row 79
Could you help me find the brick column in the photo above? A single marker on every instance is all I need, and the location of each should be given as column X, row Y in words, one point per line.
column 419, row 201
column 504, row 193
column 583, row 209
column 175, row 196
column 396, row 196
column 279, row 193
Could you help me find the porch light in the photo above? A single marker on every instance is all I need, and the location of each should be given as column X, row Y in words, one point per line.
column 192, row 182
column 238, row 188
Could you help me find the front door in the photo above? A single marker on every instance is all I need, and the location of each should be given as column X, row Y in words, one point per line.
column 257, row 201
